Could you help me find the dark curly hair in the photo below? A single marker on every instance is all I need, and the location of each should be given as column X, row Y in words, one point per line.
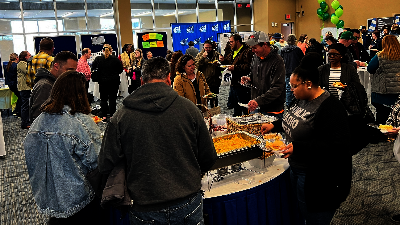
column 180, row 66
column 69, row 89
column 308, row 68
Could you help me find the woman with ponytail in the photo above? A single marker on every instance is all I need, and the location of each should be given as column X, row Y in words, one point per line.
column 23, row 87
column 109, row 68
column 319, row 155
column 12, row 82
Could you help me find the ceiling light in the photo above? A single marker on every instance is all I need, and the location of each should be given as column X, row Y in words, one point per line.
column 172, row 14
column 67, row 14
column 143, row 13
column 107, row 14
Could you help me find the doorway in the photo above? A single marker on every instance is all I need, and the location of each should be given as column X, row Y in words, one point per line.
column 286, row 29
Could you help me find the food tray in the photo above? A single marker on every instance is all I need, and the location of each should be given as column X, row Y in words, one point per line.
column 234, row 124
column 238, row 155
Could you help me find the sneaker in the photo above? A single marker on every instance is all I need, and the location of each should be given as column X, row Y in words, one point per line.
column 396, row 218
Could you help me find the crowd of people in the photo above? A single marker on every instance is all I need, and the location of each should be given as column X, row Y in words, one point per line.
column 159, row 124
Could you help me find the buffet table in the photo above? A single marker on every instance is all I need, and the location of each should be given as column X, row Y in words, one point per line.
column 251, row 196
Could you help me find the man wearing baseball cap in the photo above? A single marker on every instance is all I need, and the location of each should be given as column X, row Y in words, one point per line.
column 346, row 39
column 266, row 78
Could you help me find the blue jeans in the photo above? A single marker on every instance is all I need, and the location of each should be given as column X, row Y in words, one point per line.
column 188, row 211
column 25, row 95
column 298, row 178
column 289, row 92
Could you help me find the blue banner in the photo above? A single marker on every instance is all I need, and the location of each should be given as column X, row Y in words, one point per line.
column 182, row 33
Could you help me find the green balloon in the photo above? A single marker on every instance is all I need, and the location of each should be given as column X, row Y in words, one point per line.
column 340, row 6
column 335, row 19
column 333, row 14
column 326, row 8
column 325, row 16
column 319, row 1
column 335, row 4
column 320, row 12
column 340, row 24
column 323, row 5
column 339, row 12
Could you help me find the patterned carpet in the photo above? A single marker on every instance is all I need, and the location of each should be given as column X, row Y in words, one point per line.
column 374, row 197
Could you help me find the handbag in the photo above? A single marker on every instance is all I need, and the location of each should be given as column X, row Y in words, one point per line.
column 95, row 75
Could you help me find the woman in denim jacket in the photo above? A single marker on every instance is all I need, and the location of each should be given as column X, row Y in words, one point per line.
column 61, row 147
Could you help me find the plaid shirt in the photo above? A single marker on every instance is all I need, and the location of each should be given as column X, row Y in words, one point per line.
column 41, row 60
column 394, row 116
column 84, row 68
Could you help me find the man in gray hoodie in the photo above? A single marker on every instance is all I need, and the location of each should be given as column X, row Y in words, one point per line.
column 44, row 80
column 165, row 143
column 267, row 77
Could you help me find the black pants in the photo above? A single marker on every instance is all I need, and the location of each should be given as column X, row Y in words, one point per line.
column 91, row 214
column 382, row 113
column 25, row 95
column 108, row 96
column 238, row 94
column 17, row 109
column 215, row 90
column 134, row 85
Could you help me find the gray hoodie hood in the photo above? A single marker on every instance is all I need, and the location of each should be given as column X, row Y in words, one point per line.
column 151, row 97
column 44, row 73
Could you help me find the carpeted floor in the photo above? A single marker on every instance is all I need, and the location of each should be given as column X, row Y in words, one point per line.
column 374, row 197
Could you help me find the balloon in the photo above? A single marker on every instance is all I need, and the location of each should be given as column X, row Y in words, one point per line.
column 335, row 19
column 339, row 12
column 320, row 12
column 323, row 5
column 333, row 14
column 319, row 1
column 340, row 6
column 340, row 24
column 325, row 16
column 326, row 8
column 335, row 4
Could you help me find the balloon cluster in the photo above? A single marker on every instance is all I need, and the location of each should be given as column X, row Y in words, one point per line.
column 323, row 14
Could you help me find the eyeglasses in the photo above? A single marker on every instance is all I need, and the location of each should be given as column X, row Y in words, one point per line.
column 294, row 86
column 333, row 54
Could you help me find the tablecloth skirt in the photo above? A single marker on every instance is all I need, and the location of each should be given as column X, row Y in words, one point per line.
column 2, row 143
column 270, row 203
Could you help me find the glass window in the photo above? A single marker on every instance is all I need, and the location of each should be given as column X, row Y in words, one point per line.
column 228, row 11
column 47, row 26
column 207, row 12
column 187, row 11
column 243, row 12
column 97, row 11
column 142, row 10
column 72, row 14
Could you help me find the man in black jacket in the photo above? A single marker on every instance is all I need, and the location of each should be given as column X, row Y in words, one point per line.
column 239, row 60
column 357, row 49
column 44, row 80
column 165, row 143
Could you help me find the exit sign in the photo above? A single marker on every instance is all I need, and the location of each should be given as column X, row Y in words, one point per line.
column 287, row 17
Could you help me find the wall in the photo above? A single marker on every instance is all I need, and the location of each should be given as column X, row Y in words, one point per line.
column 355, row 14
column 268, row 11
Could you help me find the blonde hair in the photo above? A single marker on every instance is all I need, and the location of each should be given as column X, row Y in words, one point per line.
column 107, row 50
column 139, row 64
column 391, row 48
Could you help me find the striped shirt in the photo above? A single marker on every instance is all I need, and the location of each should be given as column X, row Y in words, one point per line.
column 334, row 76
column 41, row 60
column 394, row 116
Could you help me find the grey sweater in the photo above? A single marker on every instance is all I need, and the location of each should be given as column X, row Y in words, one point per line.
column 268, row 75
column 166, row 145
